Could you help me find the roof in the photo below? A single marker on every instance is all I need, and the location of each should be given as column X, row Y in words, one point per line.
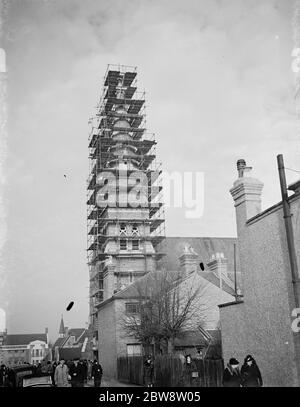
column 132, row 291
column 228, row 304
column 59, row 342
column 77, row 332
column 195, row 338
column 24, row 339
column 214, row 279
column 204, row 246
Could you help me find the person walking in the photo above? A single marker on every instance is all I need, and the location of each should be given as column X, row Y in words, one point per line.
column 251, row 376
column 90, row 367
column 232, row 376
column 97, row 373
column 148, row 372
column 85, row 369
column 48, row 368
column 53, row 372
column 61, row 374
column 77, row 373
column 3, row 374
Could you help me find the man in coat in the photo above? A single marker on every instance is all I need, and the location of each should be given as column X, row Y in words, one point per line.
column 97, row 373
column 61, row 374
column 77, row 373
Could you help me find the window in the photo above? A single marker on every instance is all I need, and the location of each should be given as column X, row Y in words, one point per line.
column 135, row 245
column 135, row 230
column 123, row 244
column 132, row 308
column 134, row 349
column 123, row 230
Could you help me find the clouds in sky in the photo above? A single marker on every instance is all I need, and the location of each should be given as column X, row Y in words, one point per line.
column 219, row 87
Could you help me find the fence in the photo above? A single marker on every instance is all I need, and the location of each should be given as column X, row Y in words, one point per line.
column 170, row 371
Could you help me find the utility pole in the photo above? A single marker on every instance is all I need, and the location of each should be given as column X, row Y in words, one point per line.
column 235, row 283
column 288, row 228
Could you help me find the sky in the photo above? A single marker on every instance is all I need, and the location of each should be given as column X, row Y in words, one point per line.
column 219, row 87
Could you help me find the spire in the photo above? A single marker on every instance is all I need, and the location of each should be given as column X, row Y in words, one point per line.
column 61, row 328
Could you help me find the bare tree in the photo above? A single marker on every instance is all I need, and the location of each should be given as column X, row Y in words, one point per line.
column 167, row 306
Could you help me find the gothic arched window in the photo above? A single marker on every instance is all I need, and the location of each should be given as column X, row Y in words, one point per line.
column 123, row 229
column 135, row 230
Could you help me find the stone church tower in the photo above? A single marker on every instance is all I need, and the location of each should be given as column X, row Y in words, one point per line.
column 125, row 210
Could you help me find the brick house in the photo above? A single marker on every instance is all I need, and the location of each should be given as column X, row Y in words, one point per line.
column 213, row 290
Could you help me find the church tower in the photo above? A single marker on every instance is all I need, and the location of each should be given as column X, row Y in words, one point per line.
column 62, row 330
column 125, row 209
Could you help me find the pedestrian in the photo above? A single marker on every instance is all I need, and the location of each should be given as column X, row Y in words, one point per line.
column 39, row 369
column 53, row 372
column 77, row 373
column 251, row 376
column 97, row 373
column 90, row 367
column 61, row 375
column 3, row 375
column 48, row 368
column 85, row 369
column 148, row 371
column 232, row 376
column 44, row 367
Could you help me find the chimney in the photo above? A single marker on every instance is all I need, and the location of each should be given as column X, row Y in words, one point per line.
column 218, row 264
column 295, row 187
column 246, row 193
column 188, row 260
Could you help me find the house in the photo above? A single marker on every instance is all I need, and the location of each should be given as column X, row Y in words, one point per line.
column 71, row 343
column 24, row 348
column 214, row 288
column 261, row 322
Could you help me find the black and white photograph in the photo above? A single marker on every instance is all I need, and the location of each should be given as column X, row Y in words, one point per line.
column 149, row 197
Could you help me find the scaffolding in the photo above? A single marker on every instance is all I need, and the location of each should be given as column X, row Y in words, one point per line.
column 118, row 134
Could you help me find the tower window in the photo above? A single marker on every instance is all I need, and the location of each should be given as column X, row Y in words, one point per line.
column 123, row 244
column 135, row 230
column 135, row 245
column 123, row 230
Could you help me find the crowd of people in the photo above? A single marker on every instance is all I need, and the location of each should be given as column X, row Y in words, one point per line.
column 63, row 374
column 78, row 372
column 248, row 376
